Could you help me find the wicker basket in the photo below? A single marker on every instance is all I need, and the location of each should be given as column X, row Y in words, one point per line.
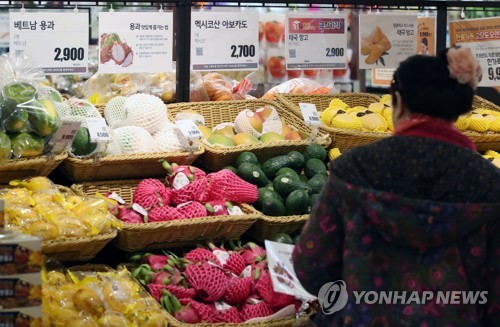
column 26, row 167
column 489, row 140
column 124, row 165
column 284, row 322
column 216, row 112
column 158, row 235
column 341, row 138
column 267, row 226
column 76, row 248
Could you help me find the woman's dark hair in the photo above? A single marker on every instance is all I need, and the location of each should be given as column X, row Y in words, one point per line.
column 426, row 87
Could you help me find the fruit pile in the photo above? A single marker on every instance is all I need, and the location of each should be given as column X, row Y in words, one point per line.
column 377, row 117
column 28, row 120
column 288, row 184
column 213, row 285
column 480, row 120
column 188, row 192
column 98, row 299
column 36, row 206
column 492, row 156
column 263, row 125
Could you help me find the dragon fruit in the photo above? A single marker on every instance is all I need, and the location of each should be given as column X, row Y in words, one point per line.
column 156, row 261
column 252, row 253
column 235, row 263
column 230, row 315
column 254, row 310
column 194, row 191
column 264, row 287
column 112, row 47
column 204, row 311
column 218, row 207
column 200, row 255
column 174, row 172
column 238, row 290
column 209, row 282
column 127, row 214
column 225, row 184
column 158, row 214
column 150, row 193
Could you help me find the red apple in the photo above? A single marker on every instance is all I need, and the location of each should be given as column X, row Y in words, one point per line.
column 311, row 72
column 294, row 73
column 276, row 66
column 275, row 31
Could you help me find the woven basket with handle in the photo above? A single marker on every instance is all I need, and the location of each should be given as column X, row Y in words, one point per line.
column 216, row 112
column 341, row 138
column 176, row 233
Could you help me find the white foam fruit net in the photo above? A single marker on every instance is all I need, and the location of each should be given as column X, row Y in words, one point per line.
column 167, row 139
column 113, row 147
column 83, row 108
column 134, row 139
column 115, row 112
column 146, row 111
column 63, row 109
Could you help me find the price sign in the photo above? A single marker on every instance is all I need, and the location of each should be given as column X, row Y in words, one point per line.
column 386, row 39
column 98, row 130
column 65, row 135
column 58, row 41
column 235, row 211
column 315, row 41
column 138, row 208
column 482, row 36
column 224, row 41
column 283, row 277
column 135, row 42
column 310, row 114
column 189, row 129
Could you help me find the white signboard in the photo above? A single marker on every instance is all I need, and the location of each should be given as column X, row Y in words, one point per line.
column 135, row 42
column 224, row 40
column 58, row 41
column 386, row 39
column 315, row 41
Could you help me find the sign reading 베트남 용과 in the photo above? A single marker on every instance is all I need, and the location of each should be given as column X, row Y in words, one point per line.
column 315, row 41
column 386, row 39
column 224, row 40
column 482, row 36
column 58, row 41
column 135, row 42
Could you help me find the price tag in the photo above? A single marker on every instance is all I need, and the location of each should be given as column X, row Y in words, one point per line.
column 482, row 36
column 189, row 129
column 116, row 197
column 223, row 256
column 222, row 306
column 386, row 39
column 180, row 180
column 316, row 41
column 65, row 135
column 247, row 272
column 224, row 41
column 135, row 42
column 57, row 40
column 283, row 277
column 98, row 130
column 138, row 208
column 310, row 114
column 235, row 211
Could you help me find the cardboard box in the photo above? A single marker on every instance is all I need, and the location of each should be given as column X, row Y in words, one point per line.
column 19, row 253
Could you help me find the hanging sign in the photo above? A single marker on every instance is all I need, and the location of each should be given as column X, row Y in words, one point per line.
column 386, row 39
column 58, row 41
column 224, row 40
column 482, row 36
column 135, row 42
column 315, row 41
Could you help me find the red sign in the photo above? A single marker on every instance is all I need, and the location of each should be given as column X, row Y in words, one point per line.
column 316, row 26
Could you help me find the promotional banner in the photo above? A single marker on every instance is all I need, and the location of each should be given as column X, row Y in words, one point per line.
column 315, row 41
column 482, row 36
column 224, row 40
column 426, row 45
column 426, row 36
column 57, row 40
column 135, row 42
column 386, row 39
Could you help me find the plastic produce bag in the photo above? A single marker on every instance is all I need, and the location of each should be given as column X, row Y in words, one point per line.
column 28, row 112
column 299, row 86
column 222, row 88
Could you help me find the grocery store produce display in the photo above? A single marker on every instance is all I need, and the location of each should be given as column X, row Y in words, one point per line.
column 68, row 224
column 214, row 285
column 98, row 296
